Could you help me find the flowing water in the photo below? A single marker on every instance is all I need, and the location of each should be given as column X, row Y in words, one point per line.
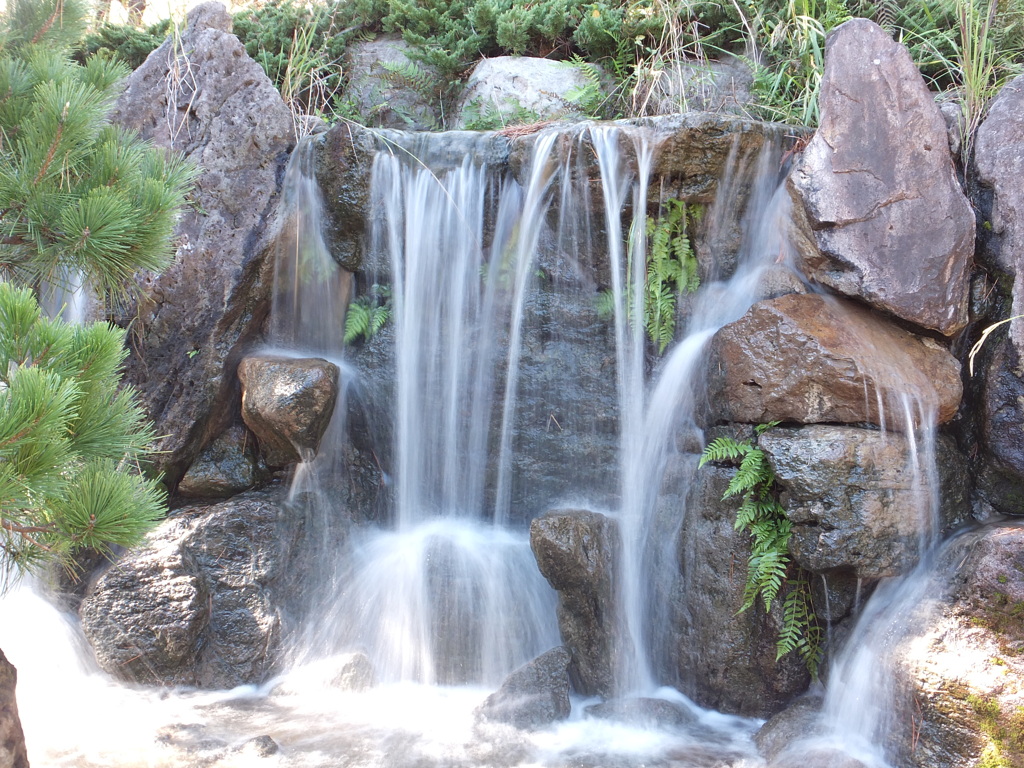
column 445, row 597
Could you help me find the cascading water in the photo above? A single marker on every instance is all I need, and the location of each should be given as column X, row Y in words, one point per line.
column 446, row 599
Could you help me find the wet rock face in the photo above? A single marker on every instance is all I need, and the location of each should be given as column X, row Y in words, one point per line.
column 875, row 190
column 197, row 604
column 521, row 89
column 576, row 552
column 288, row 403
column 811, row 358
column 193, row 320
column 533, row 696
column 965, row 666
column 853, row 500
column 723, row 659
column 225, row 467
column 12, row 740
column 800, row 720
column 1001, row 479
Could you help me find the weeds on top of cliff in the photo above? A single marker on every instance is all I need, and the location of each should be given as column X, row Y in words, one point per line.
column 770, row 573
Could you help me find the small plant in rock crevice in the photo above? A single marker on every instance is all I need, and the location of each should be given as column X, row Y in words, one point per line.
column 367, row 314
column 769, row 568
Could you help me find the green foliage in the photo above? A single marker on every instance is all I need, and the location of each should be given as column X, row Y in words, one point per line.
column 71, row 439
column 124, row 42
column 761, row 515
column 487, row 116
column 76, row 191
column 671, row 269
column 367, row 314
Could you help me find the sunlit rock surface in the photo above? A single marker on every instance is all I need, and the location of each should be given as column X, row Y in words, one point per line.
column 227, row 466
column 198, row 603
column 876, row 195
column 966, row 666
column 810, row 358
column 287, row 403
column 200, row 94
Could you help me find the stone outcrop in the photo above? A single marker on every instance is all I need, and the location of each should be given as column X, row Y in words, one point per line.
column 288, row 403
column 723, row 659
column 227, row 466
column 201, row 95
column 684, row 85
column 576, row 551
column 877, row 202
column 198, row 603
column 642, row 712
column 999, row 158
column 812, row 358
column 533, row 696
column 964, row 669
column 12, row 739
column 855, row 499
column 388, row 88
column 522, row 89
column 1001, row 475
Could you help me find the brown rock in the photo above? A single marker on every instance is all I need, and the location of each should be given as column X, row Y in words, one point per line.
column 225, row 467
column 288, row 403
column 12, row 740
column 576, row 552
column 202, row 95
column 878, row 187
column 811, row 358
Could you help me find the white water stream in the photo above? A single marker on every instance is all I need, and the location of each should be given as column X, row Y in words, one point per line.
column 447, row 599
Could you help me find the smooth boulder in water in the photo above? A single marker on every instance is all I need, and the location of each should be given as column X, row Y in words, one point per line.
column 533, row 696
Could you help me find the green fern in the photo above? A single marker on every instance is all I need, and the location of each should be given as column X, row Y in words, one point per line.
column 761, row 515
column 671, row 269
column 368, row 314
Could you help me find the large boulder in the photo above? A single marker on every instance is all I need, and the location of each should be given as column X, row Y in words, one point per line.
column 999, row 158
column 881, row 212
column 685, row 85
column 533, row 696
column 199, row 602
column 811, row 358
column 288, row 403
column 200, row 94
column 577, row 550
column 12, row 739
column 524, row 89
column 1001, row 475
column 857, row 501
column 724, row 659
column 965, row 666
column 388, row 88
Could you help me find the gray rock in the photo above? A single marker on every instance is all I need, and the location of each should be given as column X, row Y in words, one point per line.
column 354, row 673
column 576, row 552
column 198, row 603
column 875, row 192
column 798, row 721
column 387, row 88
column 999, row 157
column 259, row 746
column 811, row 358
column 203, row 96
column 533, row 696
column 643, row 712
column 522, row 89
column 853, row 500
column 225, row 467
column 1001, row 479
column 288, row 403
column 12, row 739
column 724, row 659
column 816, row 757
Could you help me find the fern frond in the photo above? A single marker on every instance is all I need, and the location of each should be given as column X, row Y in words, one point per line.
column 724, row 449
